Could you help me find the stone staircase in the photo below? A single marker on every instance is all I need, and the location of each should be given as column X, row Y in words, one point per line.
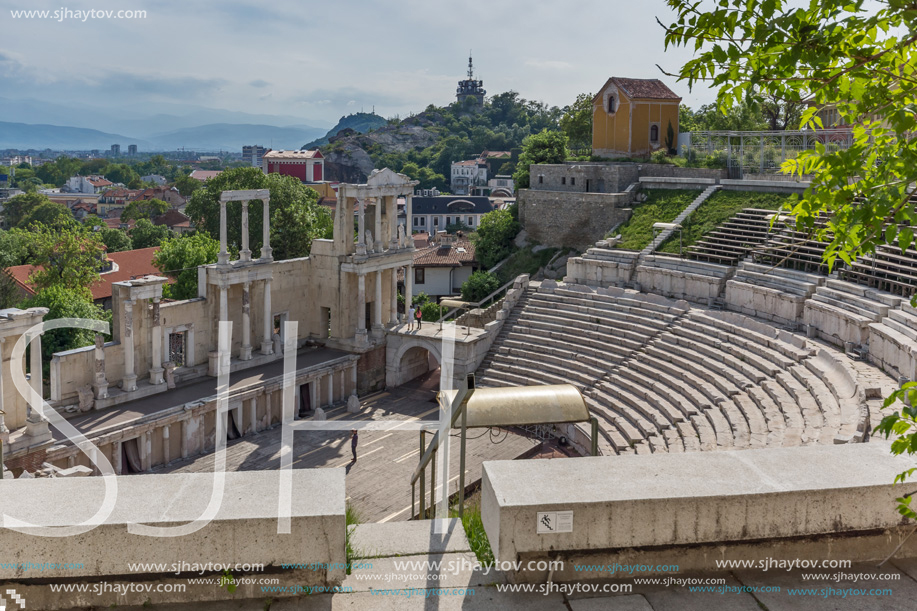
column 681, row 218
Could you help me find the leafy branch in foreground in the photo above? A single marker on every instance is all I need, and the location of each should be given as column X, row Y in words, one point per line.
column 858, row 59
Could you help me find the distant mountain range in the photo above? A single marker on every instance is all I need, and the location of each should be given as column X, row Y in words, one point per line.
column 34, row 124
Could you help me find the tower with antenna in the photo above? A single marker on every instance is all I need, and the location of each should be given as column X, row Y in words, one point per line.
column 470, row 88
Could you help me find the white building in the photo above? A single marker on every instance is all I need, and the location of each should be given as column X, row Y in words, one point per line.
column 466, row 175
column 155, row 179
column 443, row 266
column 501, row 186
column 432, row 214
column 87, row 184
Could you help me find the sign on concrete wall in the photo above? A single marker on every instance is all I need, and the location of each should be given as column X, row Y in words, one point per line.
column 554, row 522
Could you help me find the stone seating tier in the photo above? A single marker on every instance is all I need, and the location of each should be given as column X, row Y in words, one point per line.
column 661, row 377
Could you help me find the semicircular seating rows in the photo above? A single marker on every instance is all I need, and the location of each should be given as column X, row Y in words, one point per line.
column 663, row 376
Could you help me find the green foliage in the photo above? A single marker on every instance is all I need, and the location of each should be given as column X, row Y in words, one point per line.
column 670, row 139
column 716, row 210
column 144, row 209
column 493, row 240
column 524, row 261
column 50, row 214
column 352, row 518
column 456, row 227
column 115, row 240
column 179, row 258
column 902, row 424
column 14, row 248
column 853, row 57
column 544, row 147
column 187, row 185
column 474, row 531
column 576, row 123
column 296, row 216
column 661, row 206
column 432, row 312
column 479, row 285
column 420, row 299
column 144, row 234
column 68, row 258
column 9, row 291
column 17, row 208
column 63, row 302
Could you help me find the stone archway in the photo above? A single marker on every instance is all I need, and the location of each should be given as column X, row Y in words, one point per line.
column 413, row 358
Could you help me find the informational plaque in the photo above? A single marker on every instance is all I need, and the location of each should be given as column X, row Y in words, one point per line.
column 554, row 522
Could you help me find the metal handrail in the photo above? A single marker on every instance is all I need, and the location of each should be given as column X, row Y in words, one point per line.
column 434, row 443
column 475, row 304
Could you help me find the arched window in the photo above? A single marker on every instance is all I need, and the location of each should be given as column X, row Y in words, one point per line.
column 611, row 104
column 654, row 133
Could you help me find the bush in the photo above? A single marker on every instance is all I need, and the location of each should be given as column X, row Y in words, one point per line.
column 479, row 285
column 432, row 312
column 493, row 240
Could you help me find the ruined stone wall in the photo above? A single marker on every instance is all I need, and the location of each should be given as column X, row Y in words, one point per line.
column 572, row 177
column 371, row 371
column 655, row 170
column 576, row 220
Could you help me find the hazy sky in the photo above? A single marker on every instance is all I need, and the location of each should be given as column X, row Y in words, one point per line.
column 319, row 60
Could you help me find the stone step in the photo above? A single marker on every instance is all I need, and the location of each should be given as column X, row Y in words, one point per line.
column 725, row 438
column 597, row 316
column 903, row 322
column 545, row 367
column 859, row 305
column 633, row 425
column 636, row 307
column 675, row 367
column 642, row 390
column 690, row 440
column 772, row 343
column 773, row 415
column 666, row 383
column 610, row 335
column 705, row 432
column 533, row 333
column 588, row 356
column 867, row 294
column 713, row 372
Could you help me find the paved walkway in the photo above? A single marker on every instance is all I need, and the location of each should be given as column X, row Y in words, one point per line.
column 379, row 483
column 122, row 415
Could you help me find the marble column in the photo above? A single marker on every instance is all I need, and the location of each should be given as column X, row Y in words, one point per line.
column 116, row 453
column 266, row 249
column 377, row 306
column 224, row 305
column 156, row 342
column 361, row 227
column 377, row 230
column 343, row 385
column 223, row 257
column 393, row 222
column 253, row 415
column 393, row 317
column 185, row 437
column 246, row 352
column 409, row 219
column 361, row 306
column 267, row 344
column 99, row 382
column 166, row 449
column 353, row 377
column 129, row 383
column 330, row 389
column 408, row 287
column 4, row 430
column 245, row 254
column 35, row 367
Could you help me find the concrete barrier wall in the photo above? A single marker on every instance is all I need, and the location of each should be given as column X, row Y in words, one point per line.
column 244, row 531
column 666, row 502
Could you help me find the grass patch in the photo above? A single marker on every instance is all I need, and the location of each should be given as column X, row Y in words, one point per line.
column 722, row 206
column 661, row 206
column 524, row 261
column 474, row 530
column 352, row 518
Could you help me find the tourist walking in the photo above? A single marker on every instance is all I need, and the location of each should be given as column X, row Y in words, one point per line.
column 411, row 313
column 353, row 443
column 419, row 318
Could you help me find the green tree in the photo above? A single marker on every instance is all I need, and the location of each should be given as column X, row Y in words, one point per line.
column 50, row 214
column 479, row 285
column 115, row 240
column 187, row 185
column 431, row 311
column 296, row 216
column 144, row 234
column 20, row 206
column 858, row 59
column 65, row 302
column 670, row 140
column 70, row 258
column 144, row 209
column 544, row 147
column 9, row 291
column 493, row 241
column 179, row 258
column 576, row 123
column 14, row 248
column 121, row 173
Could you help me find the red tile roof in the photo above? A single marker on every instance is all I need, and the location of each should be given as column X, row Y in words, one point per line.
column 128, row 264
column 203, row 175
column 172, row 218
column 460, row 253
column 636, row 88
